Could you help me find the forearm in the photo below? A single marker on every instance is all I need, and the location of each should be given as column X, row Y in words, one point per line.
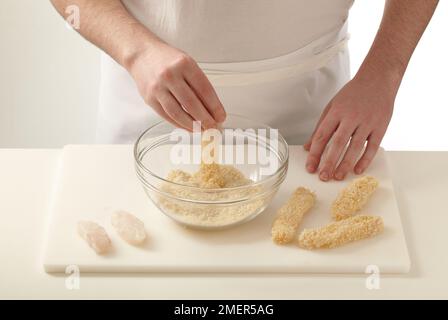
column 108, row 25
column 169, row 81
column 402, row 26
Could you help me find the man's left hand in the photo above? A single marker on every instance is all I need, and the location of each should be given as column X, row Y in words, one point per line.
column 358, row 114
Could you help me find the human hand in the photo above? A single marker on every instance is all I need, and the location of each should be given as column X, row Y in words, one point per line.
column 359, row 113
column 172, row 83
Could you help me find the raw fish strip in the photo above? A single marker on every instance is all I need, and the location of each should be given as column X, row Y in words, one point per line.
column 129, row 228
column 95, row 236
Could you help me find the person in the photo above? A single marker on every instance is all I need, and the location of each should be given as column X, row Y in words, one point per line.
column 284, row 63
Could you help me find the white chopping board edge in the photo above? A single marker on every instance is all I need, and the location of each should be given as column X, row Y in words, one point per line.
column 94, row 181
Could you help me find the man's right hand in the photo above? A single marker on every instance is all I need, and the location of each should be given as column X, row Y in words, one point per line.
column 172, row 83
column 169, row 80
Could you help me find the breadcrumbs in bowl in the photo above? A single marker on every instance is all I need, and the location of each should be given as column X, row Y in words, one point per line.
column 206, row 196
column 211, row 214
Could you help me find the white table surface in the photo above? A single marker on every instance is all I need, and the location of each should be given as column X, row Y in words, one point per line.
column 421, row 185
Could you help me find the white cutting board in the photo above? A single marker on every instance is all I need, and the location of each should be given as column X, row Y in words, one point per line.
column 94, row 181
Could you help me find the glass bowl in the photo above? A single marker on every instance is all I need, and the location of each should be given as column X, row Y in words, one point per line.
column 257, row 151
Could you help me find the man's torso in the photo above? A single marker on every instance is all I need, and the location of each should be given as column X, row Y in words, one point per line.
column 243, row 30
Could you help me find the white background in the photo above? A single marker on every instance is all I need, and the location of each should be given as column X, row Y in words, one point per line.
column 49, row 79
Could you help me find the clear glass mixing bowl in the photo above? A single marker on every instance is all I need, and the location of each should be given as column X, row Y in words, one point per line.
column 252, row 148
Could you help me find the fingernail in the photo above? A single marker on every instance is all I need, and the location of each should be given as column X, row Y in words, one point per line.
column 310, row 168
column 209, row 125
column 324, row 175
column 339, row 176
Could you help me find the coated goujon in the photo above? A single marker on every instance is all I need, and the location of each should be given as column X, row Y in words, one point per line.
column 352, row 198
column 209, row 173
column 290, row 215
column 341, row 232
column 210, row 146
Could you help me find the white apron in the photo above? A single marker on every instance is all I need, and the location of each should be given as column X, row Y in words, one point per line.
column 287, row 92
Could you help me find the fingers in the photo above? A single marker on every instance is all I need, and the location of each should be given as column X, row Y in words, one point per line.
column 204, row 90
column 191, row 103
column 373, row 145
column 307, row 145
column 353, row 152
column 174, row 110
column 178, row 90
column 158, row 108
column 337, row 147
column 318, row 144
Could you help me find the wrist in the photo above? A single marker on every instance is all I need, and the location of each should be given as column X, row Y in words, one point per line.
column 382, row 68
column 381, row 78
column 140, row 45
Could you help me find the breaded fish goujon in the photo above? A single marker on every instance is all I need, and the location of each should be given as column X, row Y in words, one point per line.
column 290, row 215
column 209, row 172
column 341, row 232
column 354, row 197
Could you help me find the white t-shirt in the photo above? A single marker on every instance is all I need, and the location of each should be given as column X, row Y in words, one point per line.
column 239, row 30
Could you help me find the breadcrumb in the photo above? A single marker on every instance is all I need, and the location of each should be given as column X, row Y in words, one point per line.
column 179, row 176
column 290, row 215
column 353, row 198
column 215, row 175
column 210, row 176
column 341, row 232
column 211, row 215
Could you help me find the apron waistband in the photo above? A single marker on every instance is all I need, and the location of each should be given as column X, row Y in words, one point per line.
column 309, row 58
